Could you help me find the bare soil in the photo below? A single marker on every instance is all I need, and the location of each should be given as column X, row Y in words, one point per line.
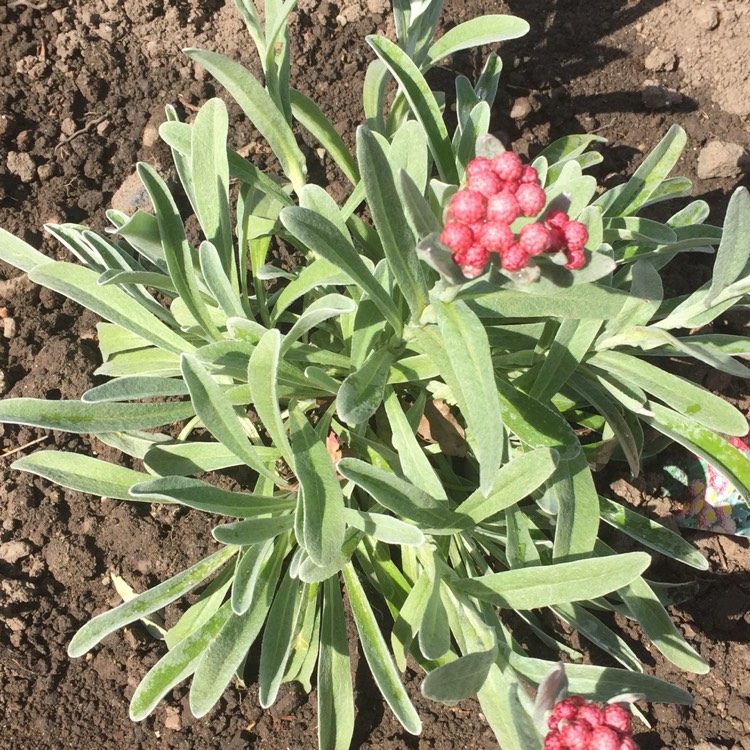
column 83, row 85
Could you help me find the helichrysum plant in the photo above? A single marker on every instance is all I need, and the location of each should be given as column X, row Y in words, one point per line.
column 467, row 337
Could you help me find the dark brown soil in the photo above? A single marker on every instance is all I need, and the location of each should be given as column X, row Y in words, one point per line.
column 83, row 83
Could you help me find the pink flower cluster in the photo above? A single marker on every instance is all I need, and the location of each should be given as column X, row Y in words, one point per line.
column 576, row 724
column 480, row 214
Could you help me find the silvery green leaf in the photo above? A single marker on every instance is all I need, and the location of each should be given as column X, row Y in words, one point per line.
column 175, row 666
column 322, row 309
column 592, row 628
column 322, row 500
column 652, row 171
column 146, row 603
column 414, row 462
column 179, row 256
column 689, row 399
column 434, row 632
column 311, row 117
column 277, row 639
column 19, row 253
column 704, row 443
column 246, row 574
column 376, row 653
column 209, row 162
column 82, row 473
column 361, row 393
column 734, row 249
column 384, row 528
column 195, row 493
column 421, row 101
column 547, row 585
column 602, row 683
column 387, row 211
column 659, row 627
column 82, row 418
column 571, row 345
column 335, row 693
column 229, row 648
column 650, row 533
column 321, row 236
column 402, row 497
column 514, row 481
column 471, row 377
column 219, row 416
column 252, row 530
column 572, row 487
column 459, row 679
column 579, row 302
column 262, row 376
column 260, row 109
column 486, row 29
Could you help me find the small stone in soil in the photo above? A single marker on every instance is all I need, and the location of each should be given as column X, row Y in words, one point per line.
column 521, row 108
column 131, row 196
column 722, row 159
column 707, row 18
column 9, row 328
column 21, row 165
column 15, row 550
column 661, row 60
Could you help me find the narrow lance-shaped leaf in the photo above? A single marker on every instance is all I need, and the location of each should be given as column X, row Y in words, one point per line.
column 376, row 653
column 82, row 473
column 322, row 237
column 147, row 603
column 547, row 585
column 402, row 497
column 602, row 683
column 434, row 632
column 247, row 573
column 459, row 679
column 514, row 481
column 650, row 174
column 218, row 415
column 78, row 417
column 19, row 253
column 311, row 117
column 472, row 380
column 651, row 534
column 414, row 462
column 361, row 393
column 573, row 488
column 487, row 29
column 177, row 251
column 252, row 530
column 335, row 693
column 228, row 650
column 218, row 282
column 324, row 525
column 209, row 160
column 387, row 210
column 277, row 638
column 734, row 249
column 262, row 377
column 175, row 666
column 712, row 448
column 421, row 101
column 384, row 528
column 259, row 107
column 691, row 400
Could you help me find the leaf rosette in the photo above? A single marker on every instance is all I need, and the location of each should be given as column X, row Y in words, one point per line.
column 338, row 389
